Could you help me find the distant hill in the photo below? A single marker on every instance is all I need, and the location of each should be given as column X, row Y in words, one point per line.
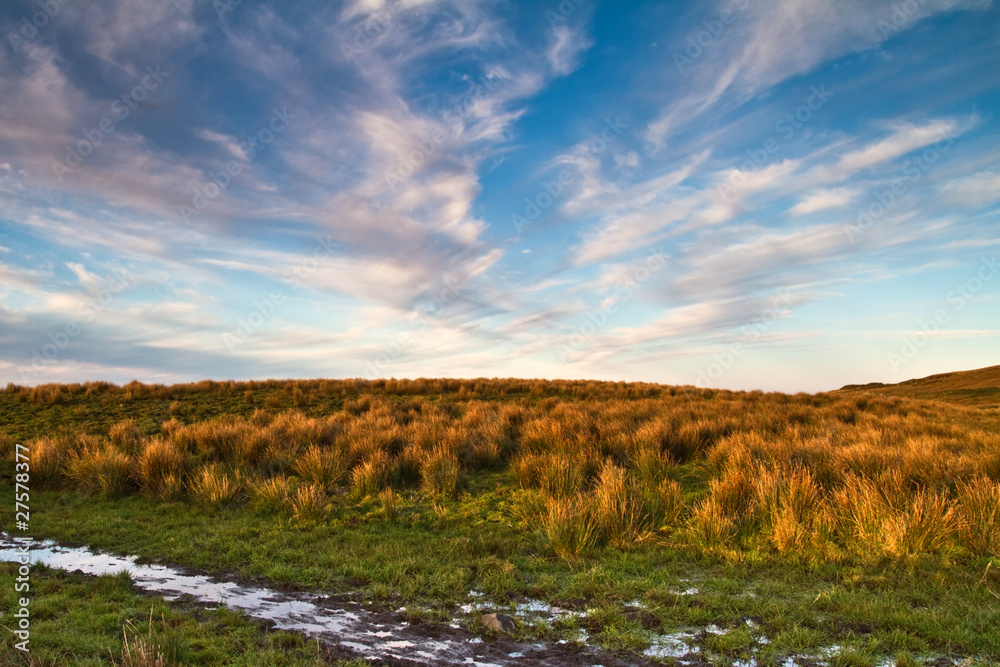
column 980, row 387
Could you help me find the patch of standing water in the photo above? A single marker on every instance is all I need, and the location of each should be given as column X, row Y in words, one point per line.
column 355, row 628
column 351, row 625
column 676, row 645
column 715, row 630
column 529, row 608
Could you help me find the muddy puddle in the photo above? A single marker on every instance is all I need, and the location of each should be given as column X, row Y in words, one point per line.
column 352, row 628
column 355, row 629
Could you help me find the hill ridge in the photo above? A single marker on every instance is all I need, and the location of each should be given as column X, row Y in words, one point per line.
column 978, row 387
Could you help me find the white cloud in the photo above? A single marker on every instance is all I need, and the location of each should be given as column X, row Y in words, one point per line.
column 566, row 49
column 738, row 266
column 822, row 200
column 87, row 280
column 904, row 139
column 979, row 189
column 226, row 141
column 773, row 40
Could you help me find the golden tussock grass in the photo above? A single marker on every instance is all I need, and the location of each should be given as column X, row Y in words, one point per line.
column 406, row 468
column 651, row 465
column 560, row 476
column 323, row 466
column 710, row 527
column 619, row 509
column 371, row 475
column 163, row 468
column 125, row 436
column 978, row 510
column 310, row 504
column 47, row 457
column 441, row 473
column 102, row 470
column 271, row 494
column 213, row 486
column 389, row 502
column 823, row 476
column 569, row 527
column 924, row 526
column 664, row 503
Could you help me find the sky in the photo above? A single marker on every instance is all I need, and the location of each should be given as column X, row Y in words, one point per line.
column 751, row 194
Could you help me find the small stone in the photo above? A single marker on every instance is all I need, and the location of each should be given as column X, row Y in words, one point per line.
column 499, row 623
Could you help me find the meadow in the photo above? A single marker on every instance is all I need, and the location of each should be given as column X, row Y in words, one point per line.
column 853, row 518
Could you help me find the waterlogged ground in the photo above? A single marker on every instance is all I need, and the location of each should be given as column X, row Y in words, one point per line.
column 347, row 624
column 402, row 636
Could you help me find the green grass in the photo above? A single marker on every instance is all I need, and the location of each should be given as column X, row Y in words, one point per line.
column 483, row 517
column 82, row 620
column 928, row 606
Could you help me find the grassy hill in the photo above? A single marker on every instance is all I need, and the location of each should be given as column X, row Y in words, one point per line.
column 980, row 387
column 849, row 520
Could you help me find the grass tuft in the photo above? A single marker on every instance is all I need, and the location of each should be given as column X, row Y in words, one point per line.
column 389, row 501
column 102, row 471
column 322, row 466
column 979, row 515
column 272, row 494
column 212, row 486
column 924, row 527
column 162, row 469
column 618, row 509
column 569, row 527
column 440, row 473
column 47, row 459
column 125, row 436
column 559, row 476
column 309, row 504
column 139, row 651
column 710, row 526
column 371, row 475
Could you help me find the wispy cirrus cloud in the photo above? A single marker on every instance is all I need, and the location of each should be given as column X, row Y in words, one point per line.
column 413, row 129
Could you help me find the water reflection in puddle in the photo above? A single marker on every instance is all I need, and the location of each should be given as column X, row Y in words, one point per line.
column 352, row 626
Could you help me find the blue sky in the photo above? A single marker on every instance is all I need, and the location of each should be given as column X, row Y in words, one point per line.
column 779, row 195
